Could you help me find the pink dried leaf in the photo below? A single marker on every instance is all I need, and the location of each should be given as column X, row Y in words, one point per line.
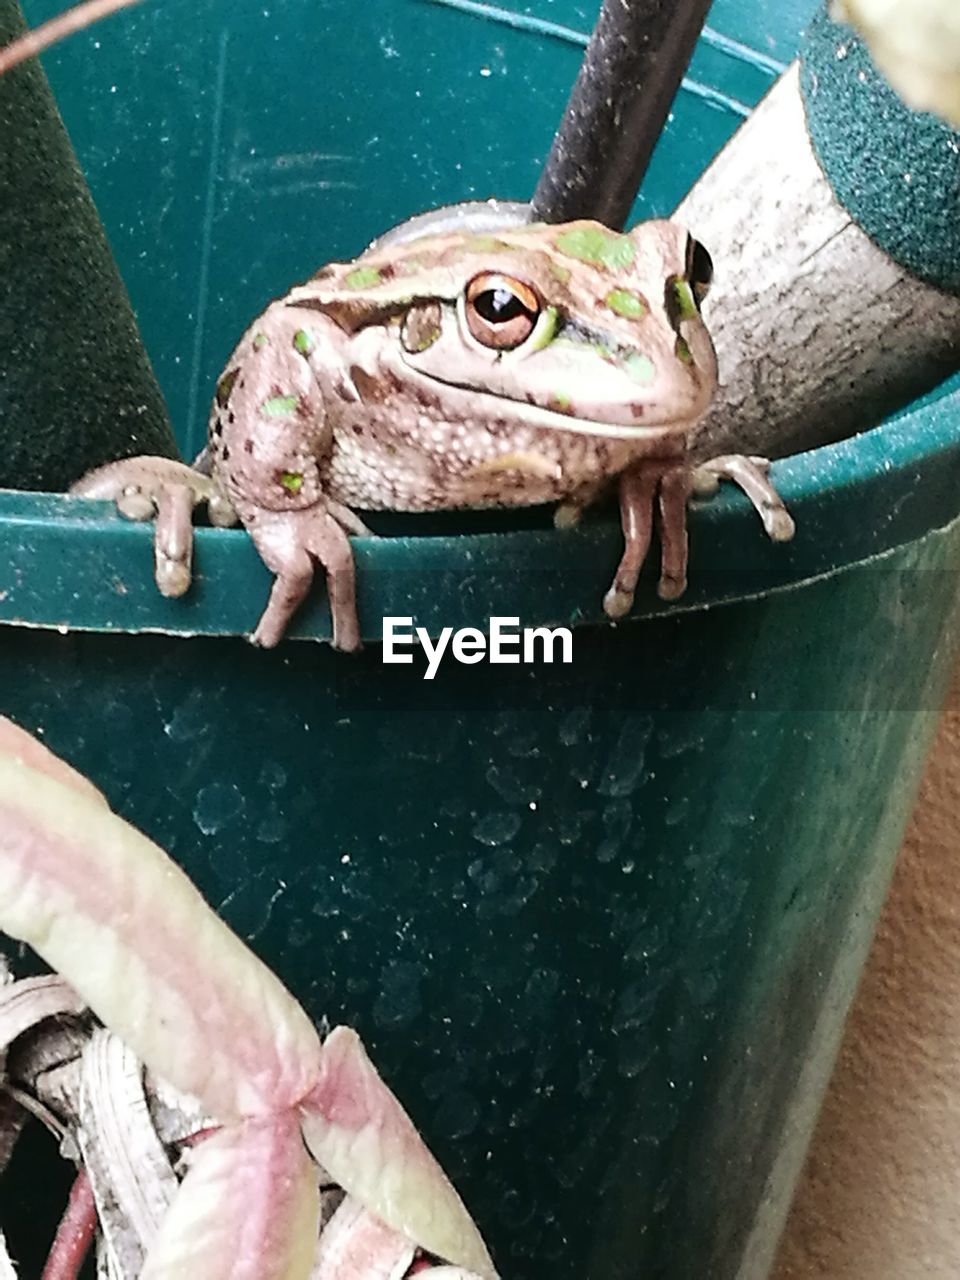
column 6, row 1266
column 447, row 1273
column 248, row 1209
column 356, row 1245
column 56, row 29
column 25, row 1003
column 23, row 746
column 110, row 911
column 357, row 1130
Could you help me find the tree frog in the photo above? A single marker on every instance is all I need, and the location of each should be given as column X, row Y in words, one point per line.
column 455, row 369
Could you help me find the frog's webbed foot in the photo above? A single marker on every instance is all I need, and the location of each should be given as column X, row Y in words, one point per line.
column 146, row 487
column 752, row 476
column 647, row 488
column 290, row 543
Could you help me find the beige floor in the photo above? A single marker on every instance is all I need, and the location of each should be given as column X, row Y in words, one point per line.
column 880, row 1195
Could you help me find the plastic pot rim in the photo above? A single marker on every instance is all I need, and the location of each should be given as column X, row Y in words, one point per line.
column 74, row 564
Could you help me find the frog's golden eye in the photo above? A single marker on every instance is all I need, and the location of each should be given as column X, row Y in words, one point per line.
column 501, row 311
column 699, row 268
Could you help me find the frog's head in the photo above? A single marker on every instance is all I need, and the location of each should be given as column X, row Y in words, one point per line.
column 580, row 328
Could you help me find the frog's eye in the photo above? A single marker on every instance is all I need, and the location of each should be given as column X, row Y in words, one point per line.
column 699, row 268
column 501, row 312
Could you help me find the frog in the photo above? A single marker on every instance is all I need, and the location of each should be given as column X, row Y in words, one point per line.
column 456, row 369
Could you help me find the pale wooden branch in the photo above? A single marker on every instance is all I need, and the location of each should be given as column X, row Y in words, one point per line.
column 64, row 24
column 819, row 333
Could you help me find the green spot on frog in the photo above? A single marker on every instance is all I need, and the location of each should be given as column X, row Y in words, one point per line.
column 303, row 342
column 626, row 303
column 486, row 244
column 598, row 246
column 225, row 386
column 686, row 304
column 683, row 351
column 260, row 341
column 560, row 272
column 560, row 401
column 639, row 367
column 292, row 481
column 279, row 406
column 546, row 329
column 362, row 278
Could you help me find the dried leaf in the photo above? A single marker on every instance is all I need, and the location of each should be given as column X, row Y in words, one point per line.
column 107, row 908
column 134, row 1183
column 447, row 1273
column 357, row 1246
column 23, row 1004
column 23, row 746
column 6, row 1266
column 357, row 1130
column 110, row 911
column 56, row 29
column 248, row 1209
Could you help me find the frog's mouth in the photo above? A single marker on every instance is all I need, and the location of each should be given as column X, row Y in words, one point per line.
column 501, row 410
column 497, row 417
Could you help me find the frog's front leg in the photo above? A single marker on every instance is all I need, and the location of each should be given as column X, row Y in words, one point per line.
column 271, row 439
column 751, row 475
column 289, row 543
column 146, row 487
column 638, row 492
column 647, row 489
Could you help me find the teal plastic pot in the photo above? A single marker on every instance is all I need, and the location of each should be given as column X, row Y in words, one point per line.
column 598, row 923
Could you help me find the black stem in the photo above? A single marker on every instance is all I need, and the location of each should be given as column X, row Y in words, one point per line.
column 632, row 68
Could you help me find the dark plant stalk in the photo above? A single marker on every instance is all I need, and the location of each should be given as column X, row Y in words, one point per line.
column 630, row 73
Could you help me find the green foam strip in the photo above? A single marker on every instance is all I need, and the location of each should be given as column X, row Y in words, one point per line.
column 896, row 171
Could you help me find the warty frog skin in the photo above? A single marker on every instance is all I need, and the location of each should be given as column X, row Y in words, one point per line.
column 455, row 370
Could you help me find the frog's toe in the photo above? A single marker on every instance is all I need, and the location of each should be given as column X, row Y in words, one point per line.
column 294, row 576
column 779, row 523
column 567, row 515
column 751, row 474
column 671, row 586
column 703, row 483
column 173, row 540
column 222, row 512
column 134, row 504
column 349, row 520
column 618, row 602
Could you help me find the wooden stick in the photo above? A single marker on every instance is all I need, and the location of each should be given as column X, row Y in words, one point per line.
column 58, row 28
column 818, row 332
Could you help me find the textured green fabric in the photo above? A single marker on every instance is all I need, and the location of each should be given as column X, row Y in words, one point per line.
column 76, row 387
column 895, row 170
